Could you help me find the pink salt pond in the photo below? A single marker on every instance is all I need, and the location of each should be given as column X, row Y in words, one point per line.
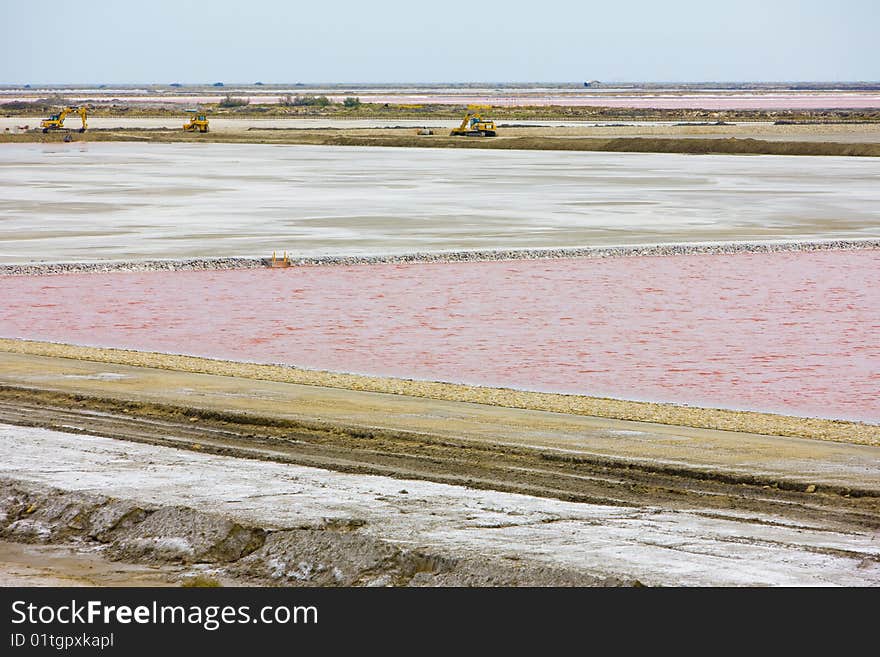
column 793, row 333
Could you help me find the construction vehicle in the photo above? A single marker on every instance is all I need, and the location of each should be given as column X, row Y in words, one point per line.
column 277, row 262
column 198, row 121
column 474, row 125
column 56, row 121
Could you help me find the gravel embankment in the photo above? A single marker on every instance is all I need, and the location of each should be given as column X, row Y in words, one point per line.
column 192, row 264
column 688, row 416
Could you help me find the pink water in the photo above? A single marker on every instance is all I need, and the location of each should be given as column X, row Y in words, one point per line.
column 796, row 333
column 707, row 101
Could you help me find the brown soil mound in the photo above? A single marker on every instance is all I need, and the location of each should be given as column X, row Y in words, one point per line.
column 331, row 554
column 329, row 137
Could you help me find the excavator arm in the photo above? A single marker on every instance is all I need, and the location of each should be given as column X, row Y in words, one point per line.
column 56, row 121
column 474, row 125
column 82, row 115
column 465, row 122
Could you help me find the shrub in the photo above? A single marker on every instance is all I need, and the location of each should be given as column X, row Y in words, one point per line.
column 304, row 101
column 234, row 101
column 21, row 105
column 52, row 100
column 352, row 102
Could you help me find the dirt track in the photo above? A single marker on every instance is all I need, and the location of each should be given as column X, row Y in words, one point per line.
column 526, row 497
column 20, row 356
column 785, row 140
column 255, row 513
column 541, row 454
column 531, row 471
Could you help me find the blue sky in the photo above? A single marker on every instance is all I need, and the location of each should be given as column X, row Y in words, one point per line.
column 395, row 41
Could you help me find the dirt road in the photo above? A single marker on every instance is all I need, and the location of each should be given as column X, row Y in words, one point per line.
column 395, row 489
column 259, row 128
column 803, row 140
column 538, row 453
column 22, row 363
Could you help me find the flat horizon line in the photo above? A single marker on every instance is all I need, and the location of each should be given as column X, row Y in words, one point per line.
column 609, row 83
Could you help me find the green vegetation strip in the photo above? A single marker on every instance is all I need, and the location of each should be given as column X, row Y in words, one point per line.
column 727, row 420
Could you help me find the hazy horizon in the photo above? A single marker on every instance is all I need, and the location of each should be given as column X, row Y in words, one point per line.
column 397, row 42
column 607, row 84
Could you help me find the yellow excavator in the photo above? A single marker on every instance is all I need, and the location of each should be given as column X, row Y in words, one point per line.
column 56, row 121
column 197, row 122
column 474, row 125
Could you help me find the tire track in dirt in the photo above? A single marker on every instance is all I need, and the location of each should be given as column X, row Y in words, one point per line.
column 531, row 471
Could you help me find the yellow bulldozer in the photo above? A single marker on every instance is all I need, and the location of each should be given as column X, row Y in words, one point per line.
column 56, row 121
column 197, row 122
column 474, row 125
